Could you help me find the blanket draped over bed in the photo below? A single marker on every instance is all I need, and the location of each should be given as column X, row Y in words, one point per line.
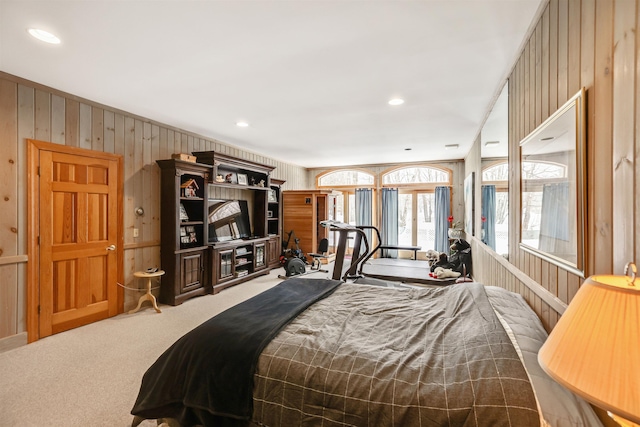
column 372, row 356
column 363, row 356
column 210, row 369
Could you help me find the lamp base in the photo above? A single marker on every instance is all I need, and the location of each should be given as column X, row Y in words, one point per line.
column 622, row 421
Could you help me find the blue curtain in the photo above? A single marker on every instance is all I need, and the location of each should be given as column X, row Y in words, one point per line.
column 389, row 226
column 363, row 210
column 489, row 215
column 442, row 210
column 554, row 224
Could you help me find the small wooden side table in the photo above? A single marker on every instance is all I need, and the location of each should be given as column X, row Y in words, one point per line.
column 148, row 296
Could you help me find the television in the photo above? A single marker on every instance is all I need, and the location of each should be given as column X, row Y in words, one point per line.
column 228, row 220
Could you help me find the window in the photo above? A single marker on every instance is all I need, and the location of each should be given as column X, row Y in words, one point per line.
column 543, row 170
column 347, row 177
column 499, row 172
column 416, row 219
column 416, row 202
column 537, row 178
column 416, row 175
column 346, row 181
column 496, row 233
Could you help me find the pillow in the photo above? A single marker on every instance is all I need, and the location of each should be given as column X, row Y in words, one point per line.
column 558, row 406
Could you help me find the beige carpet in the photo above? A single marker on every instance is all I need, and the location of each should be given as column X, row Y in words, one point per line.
column 90, row 376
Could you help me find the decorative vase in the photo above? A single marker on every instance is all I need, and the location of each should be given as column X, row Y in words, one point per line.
column 454, row 233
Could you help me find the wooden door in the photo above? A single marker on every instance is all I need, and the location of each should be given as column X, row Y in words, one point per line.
column 78, row 210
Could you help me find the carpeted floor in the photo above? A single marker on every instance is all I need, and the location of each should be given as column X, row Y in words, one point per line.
column 90, row 376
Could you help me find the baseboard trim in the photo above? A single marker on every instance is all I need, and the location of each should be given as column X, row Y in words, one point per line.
column 13, row 341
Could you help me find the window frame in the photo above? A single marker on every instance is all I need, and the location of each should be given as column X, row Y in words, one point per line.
column 349, row 186
column 431, row 186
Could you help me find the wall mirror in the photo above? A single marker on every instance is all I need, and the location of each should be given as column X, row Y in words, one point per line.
column 553, row 163
column 494, row 195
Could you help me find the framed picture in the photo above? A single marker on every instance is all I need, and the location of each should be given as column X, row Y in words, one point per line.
column 183, row 213
column 468, row 203
column 271, row 195
column 242, row 179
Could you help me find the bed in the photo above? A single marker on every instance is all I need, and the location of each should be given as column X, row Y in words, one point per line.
column 322, row 352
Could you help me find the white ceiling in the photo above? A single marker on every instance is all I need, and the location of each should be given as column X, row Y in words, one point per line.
column 312, row 78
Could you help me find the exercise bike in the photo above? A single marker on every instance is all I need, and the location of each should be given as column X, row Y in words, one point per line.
column 295, row 262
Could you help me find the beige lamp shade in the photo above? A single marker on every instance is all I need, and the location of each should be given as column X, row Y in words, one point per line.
column 594, row 350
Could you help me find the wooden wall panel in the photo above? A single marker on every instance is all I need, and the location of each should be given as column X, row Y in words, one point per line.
column 592, row 44
column 574, row 48
column 537, row 54
column 600, row 175
column 84, row 126
column 58, row 117
column 9, row 300
column 97, row 129
column 26, row 129
column 563, row 55
column 72, row 123
column 42, row 115
column 624, row 133
column 545, row 64
column 636, row 159
column 8, row 207
column 28, row 110
column 553, row 56
column 9, row 169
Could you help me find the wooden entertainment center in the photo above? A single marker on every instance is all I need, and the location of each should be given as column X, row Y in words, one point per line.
column 194, row 263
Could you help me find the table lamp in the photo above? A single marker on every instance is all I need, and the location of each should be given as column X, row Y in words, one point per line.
column 594, row 349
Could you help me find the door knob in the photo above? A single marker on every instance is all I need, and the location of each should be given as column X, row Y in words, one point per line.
column 111, row 247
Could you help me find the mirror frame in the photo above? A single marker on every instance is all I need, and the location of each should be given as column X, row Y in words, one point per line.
column 579, row 102
column 495, row 130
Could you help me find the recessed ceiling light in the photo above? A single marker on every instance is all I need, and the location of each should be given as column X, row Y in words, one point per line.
column 396, row 101
column 451, row 146
column 44, row 36
column 242, row 124
column 491, row 143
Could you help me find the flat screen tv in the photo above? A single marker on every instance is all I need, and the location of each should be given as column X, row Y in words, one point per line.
column 228, row 220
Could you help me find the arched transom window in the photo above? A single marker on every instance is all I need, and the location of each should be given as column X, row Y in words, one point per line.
column 498, row 172
column 543, row 170
column 416, row 175
column 346, row 177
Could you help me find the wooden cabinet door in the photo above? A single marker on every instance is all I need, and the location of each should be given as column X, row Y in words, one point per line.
column 78, row 234
column 259, row 256
column 273, row 252
column 192, row 271
column 225, row 264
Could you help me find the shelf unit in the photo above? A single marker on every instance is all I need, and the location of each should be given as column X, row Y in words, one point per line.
column 256, row 173
column 274, row 222
column 253, row 180
column 238, row 261
column 183, row 243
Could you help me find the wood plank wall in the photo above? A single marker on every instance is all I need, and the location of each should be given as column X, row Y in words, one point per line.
column 577, row 43
column 30, row 110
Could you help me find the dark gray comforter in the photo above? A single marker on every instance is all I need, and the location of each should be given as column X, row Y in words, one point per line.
column 371, row 356
column 206, row 377
column 363, row 356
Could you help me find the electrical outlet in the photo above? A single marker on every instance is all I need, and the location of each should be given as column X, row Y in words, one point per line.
column 136, row 232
